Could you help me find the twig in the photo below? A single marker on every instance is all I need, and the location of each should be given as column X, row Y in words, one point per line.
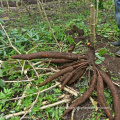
column 72, row 116
column 47, row 69
column 19, row 81
column 46, row 102
column 64, row 100
column 68, row 89
column 14, row 114
column 33, row 68
column 31, row 106
column 9, row 39
column 36, row 63
column 118, row 84
column 35, row 93
column 24, row 93
column 23, row 67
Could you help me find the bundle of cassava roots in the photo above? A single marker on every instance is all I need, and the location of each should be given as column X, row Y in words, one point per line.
column 74, row 66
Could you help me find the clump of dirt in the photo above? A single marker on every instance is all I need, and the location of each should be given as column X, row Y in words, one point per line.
column 75, row 30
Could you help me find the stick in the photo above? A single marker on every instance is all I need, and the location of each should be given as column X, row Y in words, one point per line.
column 65, row 100
column 92, row 24
column 68, row 89
column 19, row 81
column 24, row 93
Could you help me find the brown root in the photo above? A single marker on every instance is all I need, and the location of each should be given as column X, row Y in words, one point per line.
column 63, row 71
column 114, row 94
column 101, row 97
column 69, row 64
column 57, row 61
column 67, row 79
column 78, row 75
column 56, row 55
column 84, row 96
column 63, row 77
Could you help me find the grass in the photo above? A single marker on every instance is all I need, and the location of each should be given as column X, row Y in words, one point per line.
column 35, row 35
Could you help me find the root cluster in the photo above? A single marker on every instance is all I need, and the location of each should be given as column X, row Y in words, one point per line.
column 76, row 67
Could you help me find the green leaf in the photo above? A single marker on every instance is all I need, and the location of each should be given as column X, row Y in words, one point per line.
column 107, row 94
column 101, row 52
column 1, row 21
column 82, row 90
column 2, row 83
column 1, row 73
column 1, row 11
column 100, row 59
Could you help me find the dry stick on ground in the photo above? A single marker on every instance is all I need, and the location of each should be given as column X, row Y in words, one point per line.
column 69, row 89
column 23, row 67
column 50, row 69
column 30, row 107
column 24, row 93
column 64, row 100
column 20, row 81
column 9, row 40
column 47, row 102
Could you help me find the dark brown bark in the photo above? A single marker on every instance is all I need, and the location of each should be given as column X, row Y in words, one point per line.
column 56, row 61
column 63, row 77
column 114, row 94
column 56, row 55
column 78, row 75
column 101, row 98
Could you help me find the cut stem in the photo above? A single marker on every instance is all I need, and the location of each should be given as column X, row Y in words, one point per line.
column 92, row 24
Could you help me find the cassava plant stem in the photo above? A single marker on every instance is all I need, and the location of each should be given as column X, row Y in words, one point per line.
column 92, row 24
